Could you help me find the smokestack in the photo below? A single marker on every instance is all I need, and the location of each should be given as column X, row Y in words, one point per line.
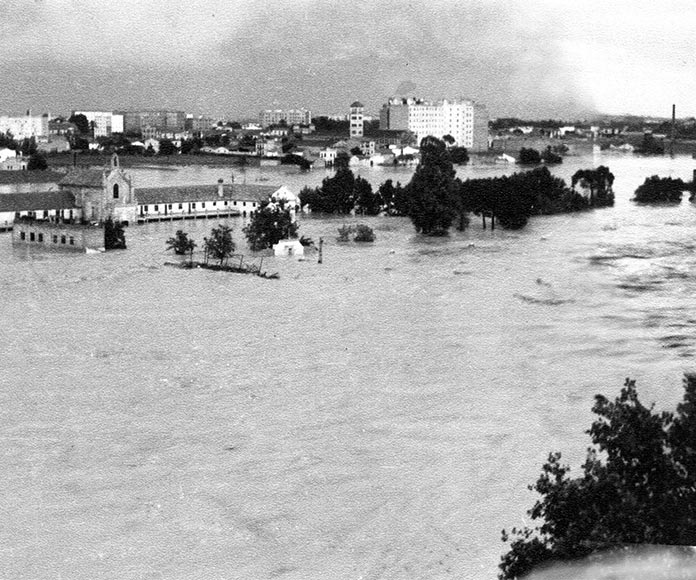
column 674, row 129
column 221, row 191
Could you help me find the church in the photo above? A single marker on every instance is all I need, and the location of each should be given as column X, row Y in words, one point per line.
column 80, row 215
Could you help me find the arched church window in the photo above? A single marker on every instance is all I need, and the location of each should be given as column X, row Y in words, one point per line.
column 115, row 190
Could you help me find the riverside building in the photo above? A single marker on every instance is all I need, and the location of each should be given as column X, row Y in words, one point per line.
column 465, row 120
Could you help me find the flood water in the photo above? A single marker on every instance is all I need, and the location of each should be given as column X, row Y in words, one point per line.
column 377, row 416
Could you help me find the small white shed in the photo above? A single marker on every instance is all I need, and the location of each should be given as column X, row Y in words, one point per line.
column 288, row 248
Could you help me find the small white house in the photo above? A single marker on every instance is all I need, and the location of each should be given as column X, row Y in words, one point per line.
column 288, row 248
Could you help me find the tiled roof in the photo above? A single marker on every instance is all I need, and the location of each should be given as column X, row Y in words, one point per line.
column 184, row 193
column 84, row 178
column 36, row 201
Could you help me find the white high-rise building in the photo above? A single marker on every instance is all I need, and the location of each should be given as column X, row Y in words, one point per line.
column 25, row 127
column 103, row 122
column 463, row 119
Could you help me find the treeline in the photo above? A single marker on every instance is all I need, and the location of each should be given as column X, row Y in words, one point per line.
column 435, row 198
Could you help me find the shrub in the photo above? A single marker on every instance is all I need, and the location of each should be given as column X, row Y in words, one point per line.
column 364, row 233
column 660, row 190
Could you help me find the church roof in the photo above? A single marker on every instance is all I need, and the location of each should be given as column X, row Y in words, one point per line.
column 84, row 178
column 36, row 201
column 185, row 193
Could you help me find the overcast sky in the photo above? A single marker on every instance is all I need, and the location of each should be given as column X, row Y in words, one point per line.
column 527, row 58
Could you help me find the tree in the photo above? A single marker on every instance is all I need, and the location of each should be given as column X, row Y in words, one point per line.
column 114, row 236
column 599, row 181
column 37, row 161
column 270, row 224
column 431, row 191
column 167, row 147
column 219, row 245
column 550, row 157
column 638, row 486
column 459, row 155
column 181, row 244
column 81, row 122
column 650, row 146
column 529, row 157
column 366, row 201
column 336, row 194
column 660, row 190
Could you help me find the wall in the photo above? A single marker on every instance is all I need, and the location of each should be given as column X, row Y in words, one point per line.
column 52, row 235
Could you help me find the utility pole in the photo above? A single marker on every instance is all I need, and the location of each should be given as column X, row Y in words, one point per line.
column 321, row 250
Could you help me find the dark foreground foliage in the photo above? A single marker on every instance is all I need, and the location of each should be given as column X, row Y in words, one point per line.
column 637, row 486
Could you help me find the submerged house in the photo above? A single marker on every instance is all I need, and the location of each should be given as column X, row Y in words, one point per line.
column 78, row 215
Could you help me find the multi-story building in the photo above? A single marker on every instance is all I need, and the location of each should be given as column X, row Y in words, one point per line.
column 463, row 119
column 290, row 116
column 356, row 119
column 198, row 124
column 25, row 127
column 102, row 122
column 162, row 121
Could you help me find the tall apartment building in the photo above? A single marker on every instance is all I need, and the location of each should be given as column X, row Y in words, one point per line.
column 104, row 122
column 161, row 121
column 290, row 116
column 356, row 119
column 26, row 126
column 463, row 119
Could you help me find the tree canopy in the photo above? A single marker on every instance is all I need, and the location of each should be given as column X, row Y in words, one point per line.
column 637, row 486
column 270, row 224
column 432, row 190
column 219, row 245
column 599, row 181
column 81, row 122
column 660, row 190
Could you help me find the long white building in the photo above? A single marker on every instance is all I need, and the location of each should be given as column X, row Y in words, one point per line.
column 465, row 120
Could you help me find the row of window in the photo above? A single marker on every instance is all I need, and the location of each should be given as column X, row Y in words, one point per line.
column 193, row 205
column 34, row 237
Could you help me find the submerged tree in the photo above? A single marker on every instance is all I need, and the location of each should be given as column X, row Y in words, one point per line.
column 637, row 486
column 114, row 236
column 181, row 244
column 599, row 182
column 270, row 224
column 660, row 190
column 432, row 190
column 219, row 245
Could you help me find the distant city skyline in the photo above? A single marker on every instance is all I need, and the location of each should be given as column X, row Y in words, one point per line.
column 233, row 59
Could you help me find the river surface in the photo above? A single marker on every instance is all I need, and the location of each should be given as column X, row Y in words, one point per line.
column 377, row 416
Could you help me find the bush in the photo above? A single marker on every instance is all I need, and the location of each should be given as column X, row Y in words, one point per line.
column 529, row 157
column 660, row 190
column 344, row 233
column 364, row 233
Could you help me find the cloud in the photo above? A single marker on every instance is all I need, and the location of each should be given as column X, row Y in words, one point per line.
column 228, row 56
